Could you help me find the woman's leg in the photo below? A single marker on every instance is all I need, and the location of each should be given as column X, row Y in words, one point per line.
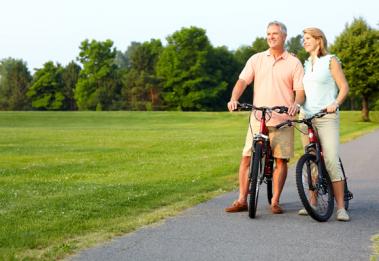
column 328, row 131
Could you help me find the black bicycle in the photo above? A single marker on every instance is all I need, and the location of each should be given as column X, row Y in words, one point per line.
column 262, row 160
column 312, row 179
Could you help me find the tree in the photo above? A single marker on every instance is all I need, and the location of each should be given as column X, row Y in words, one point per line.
column 358, row 49
column 294, row 45
column 242, row 54
column 98, row 86
column 188, row 85
column 224, row 69
column 259, row 45
column 70, row 78
column 141, row 84
column 122, row 60
column 46, row 90
column 15, row 79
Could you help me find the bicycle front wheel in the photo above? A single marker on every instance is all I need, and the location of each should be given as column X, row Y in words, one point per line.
column 269, row 190
column 255, row 168
column 316, row 195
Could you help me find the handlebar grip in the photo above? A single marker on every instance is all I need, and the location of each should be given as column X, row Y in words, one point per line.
column 280, row 109
column 244, row 106
column 283, row 109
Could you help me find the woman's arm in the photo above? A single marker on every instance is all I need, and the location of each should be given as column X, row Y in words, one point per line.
column 339, row 77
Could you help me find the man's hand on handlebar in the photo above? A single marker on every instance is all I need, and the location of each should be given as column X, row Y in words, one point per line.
column 232, row 105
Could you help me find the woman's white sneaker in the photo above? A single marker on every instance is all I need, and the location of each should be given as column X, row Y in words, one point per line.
column 304, row 212
column 342, row 215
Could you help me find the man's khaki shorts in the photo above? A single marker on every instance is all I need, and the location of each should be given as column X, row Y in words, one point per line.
column 281, row 141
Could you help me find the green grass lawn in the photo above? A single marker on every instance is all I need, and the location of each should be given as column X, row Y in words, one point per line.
column 69, row 180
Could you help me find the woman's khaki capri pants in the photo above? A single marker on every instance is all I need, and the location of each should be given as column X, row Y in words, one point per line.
column 327, row 128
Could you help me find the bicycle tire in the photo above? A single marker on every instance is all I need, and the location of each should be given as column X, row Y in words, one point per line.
column 269, row 190
column 255, row 167
column 346, row 189
column 306, row 171
column 345, row 195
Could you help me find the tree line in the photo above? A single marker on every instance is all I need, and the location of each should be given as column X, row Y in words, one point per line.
column 187, row 74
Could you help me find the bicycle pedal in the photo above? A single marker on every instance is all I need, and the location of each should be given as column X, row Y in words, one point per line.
column 348, row 196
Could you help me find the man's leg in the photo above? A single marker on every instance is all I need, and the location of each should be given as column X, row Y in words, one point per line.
column 244, row 179
column 241, row 203
column 279, row 178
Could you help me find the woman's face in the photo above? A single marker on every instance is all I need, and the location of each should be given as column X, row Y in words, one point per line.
column 310, row 43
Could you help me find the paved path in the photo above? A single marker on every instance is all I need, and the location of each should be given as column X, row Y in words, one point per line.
column 206, row 232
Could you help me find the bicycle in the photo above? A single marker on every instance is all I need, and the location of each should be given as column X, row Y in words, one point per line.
column 262, row 160
column 312, row 179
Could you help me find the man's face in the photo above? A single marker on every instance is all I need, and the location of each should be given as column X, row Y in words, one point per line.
column 275, row 37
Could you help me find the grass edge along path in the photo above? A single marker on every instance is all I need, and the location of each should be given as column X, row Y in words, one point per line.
column 375, row 248
column 57, row 159
column 62, row 250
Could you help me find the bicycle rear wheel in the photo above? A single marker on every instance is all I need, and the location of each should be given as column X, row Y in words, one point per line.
column 346, row 195
column 317, row 197
column 255, row 168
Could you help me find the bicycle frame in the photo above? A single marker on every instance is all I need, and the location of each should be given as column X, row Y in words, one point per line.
column 314, row 147
column 261, row 160
column 263, row 138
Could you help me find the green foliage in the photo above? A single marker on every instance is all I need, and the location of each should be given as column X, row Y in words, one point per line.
column 294, row 45
column 244, row 52
column 259, row 45
column 189, row 82
column 223, row 69
column 46, row 90
column 98, row 86
column 122, row 60
column 70, row 78
column 142, row 87
column 358, row 49
column 15, row 79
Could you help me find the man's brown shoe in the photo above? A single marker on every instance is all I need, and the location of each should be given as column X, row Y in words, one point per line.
column 276, row 209
column 236, row 207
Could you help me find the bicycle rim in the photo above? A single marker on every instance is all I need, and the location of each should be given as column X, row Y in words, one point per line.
column 317, row 197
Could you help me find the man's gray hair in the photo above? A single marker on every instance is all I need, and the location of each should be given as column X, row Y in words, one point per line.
column 283, row 28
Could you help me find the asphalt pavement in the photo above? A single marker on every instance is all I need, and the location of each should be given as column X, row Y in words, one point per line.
column 206, row 232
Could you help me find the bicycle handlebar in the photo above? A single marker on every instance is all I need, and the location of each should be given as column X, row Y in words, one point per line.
column 248, row 107
column 289, row 122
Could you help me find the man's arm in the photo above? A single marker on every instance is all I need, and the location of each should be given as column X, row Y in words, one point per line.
column 238, row 89
column 299, row 100
column 299, row 90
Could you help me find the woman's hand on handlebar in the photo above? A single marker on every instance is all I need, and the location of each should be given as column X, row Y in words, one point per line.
column 232, row 105
column 332, row 107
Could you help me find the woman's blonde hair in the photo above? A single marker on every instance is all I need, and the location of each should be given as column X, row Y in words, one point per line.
column 318, row 35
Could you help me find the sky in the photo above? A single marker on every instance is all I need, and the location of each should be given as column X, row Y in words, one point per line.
column 38, row 31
